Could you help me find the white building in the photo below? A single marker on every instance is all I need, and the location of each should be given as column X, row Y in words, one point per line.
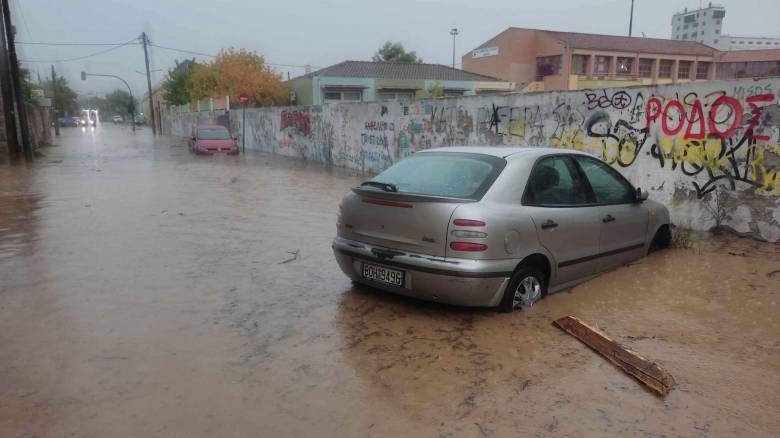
column 705, row 25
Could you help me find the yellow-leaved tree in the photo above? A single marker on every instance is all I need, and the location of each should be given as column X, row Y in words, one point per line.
column 238, row 71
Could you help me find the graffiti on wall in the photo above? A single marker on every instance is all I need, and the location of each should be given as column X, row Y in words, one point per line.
column 694, row 137
column 296, row 121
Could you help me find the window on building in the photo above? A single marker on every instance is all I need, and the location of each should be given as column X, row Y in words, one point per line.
column 337, row 95
column 695, row 24
column 665, row 68
column 752, row 69
column 646, row 68
column 451, row 92
column 759, row 42
column 717, row 22
column 702, row 70
column 742, row 42
column 685, row 26
column 548, row 66
column 685, row 36
column 717, row 30
column 684, row 70
column 624, row 66
column 396, row 95
column 716, row 41
column 693, row 35
column 602, row 65
column 750, row 42
column 579, row 65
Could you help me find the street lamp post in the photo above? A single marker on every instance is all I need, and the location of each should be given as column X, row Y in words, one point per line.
column 454, row 32
column 129, row 90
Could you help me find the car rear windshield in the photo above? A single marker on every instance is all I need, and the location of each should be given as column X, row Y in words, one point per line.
column 446, row 174
column 213, row 134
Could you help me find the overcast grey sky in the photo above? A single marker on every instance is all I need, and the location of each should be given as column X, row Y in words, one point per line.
column 323, row 32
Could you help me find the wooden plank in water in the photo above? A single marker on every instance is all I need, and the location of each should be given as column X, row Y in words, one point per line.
column 654, row 377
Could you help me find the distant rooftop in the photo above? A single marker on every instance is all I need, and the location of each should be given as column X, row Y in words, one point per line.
column 589, row 41
column 399, row 70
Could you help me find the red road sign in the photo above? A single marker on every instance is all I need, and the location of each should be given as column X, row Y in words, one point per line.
column 243, row 98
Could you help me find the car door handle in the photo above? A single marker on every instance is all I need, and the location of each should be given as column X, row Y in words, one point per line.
column 549, row 224
column 608, row 218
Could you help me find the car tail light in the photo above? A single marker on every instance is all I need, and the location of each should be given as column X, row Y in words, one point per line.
column 468, row 246
column 468, row 223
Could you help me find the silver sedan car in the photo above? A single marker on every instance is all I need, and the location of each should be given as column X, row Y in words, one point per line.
column 494, row 226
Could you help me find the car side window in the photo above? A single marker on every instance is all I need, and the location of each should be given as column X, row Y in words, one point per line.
column 555, row 182
column 607, row 185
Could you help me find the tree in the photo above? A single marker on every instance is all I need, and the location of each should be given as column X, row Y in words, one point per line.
column 27, row 85
column 66, row 101
column 176, row 88
column 436, row 90
column 394, row 52
column 119, row 102
column 238, row 71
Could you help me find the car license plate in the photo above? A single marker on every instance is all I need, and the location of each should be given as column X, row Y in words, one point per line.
column 381, row 274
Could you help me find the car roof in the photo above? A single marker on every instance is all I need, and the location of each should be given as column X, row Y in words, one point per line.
column 506, row 151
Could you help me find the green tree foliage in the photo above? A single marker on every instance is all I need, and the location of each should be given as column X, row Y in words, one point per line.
column 119, row 102
column 176, row 87
column 394, row 52
column 66, row 102
column 436, row 90
column 27, row 85
column 115, row 102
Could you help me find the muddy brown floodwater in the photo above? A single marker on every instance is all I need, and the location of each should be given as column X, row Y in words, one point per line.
column 142, row 294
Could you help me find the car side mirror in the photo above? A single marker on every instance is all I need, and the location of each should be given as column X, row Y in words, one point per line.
column 641, row 194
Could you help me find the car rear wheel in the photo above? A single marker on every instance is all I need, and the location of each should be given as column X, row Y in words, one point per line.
column 526, row 287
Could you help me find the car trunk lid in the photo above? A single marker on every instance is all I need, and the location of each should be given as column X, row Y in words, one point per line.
column 400, row 221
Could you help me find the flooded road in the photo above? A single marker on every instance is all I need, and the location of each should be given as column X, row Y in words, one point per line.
column 142, row 293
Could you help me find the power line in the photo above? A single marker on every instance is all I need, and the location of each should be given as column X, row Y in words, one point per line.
column 37, row 43
column 214, row 56
column 118, row 45
column 81, row 57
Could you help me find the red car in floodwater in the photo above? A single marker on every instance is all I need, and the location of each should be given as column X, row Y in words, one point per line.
column 213, row 139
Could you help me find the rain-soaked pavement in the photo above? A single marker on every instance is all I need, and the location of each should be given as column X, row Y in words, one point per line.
column 142, row 293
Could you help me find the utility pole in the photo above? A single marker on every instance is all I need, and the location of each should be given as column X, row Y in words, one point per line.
column 454, row 32
column 54, row 102
column 9, row 113
column 631, row 19
column 145, row 42
column 16, row 82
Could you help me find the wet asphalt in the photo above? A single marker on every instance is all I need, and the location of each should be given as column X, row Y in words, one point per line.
column 145, row 291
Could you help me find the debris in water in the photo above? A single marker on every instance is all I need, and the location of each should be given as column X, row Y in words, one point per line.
column 294, row 257
column 654, row 377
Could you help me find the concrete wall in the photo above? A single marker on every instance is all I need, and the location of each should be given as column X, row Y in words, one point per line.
column 727, row 145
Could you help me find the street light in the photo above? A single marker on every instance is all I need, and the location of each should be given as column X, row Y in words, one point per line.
column 132, row 101
column 454, row 32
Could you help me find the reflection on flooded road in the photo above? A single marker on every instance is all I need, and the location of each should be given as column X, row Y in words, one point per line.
column 143, row 294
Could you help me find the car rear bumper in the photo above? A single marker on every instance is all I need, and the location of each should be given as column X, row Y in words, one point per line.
column 461, row 282
column 203, row 151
